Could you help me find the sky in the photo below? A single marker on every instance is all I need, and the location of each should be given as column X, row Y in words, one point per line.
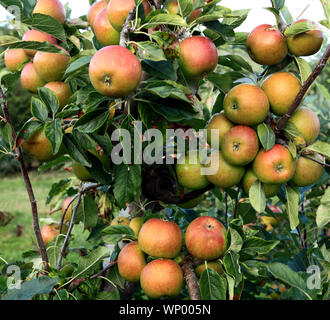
column 257, row 15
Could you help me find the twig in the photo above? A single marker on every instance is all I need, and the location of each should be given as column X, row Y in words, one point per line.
column 176, row 199
column 226, row 208
column 315, row 160
column 124, row 34
column 321, row 64
column 110, row 265
column 191, row 279
column 236, row 202
column 28, row 185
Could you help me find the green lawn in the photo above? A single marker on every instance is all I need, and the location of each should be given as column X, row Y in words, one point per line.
column 14, row 200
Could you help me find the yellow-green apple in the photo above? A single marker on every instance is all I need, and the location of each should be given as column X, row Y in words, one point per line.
column 15, row 58
column 206, row 238
column 198, row 57
column 39, row 36
column 104, row 32
column 266, row 45
column 136, row 224
column 215, row 265
column 308, row 171
column 94, row 10
column 160, row 238
column 189, row 172
column 67, row 203
column 131, row 261
column 62, row 91
column 281, row 89
column 122, row 221
column 118, row 11
column 225, row 174
column 275, row 166
column 240, row 145
column 220, row 123
column 246, row 104
column 119, row 76
column 53, row 8
column 307, row 122
column 269, row 222
column 305, row 43
column 30, row 79
column 161, row 278
column 250, row 178
column 51, row 66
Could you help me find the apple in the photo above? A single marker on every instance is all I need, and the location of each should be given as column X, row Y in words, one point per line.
column 50, row 231
column 104, row 32
column 307, row 122
column 308, row 171
column 94, row 10
column 266, row 45
column 269, row 222
column 160, row 238
column 62, row 91
column 275, row 166
column 162, row 278
column 53, row 8
column 305, row 43
column 119, row 76
column 250, row 178
column 39, row 36
column 281, row 89
column 246, row 104
column 30, row 79
column 220, row 123
column 131, row 261
column 122, row 221
column 215, row 265
column 206, row 238
column 136, row 225
column 240, row 145
column 198, row 57
column 226, row 175
column 15, row 58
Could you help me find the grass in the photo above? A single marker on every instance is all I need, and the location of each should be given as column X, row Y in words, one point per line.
column 14, row 200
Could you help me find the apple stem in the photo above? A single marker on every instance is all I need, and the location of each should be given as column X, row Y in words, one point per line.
column 28, row 185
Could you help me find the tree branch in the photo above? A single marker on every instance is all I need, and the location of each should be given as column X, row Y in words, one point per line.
column 321, row 64
column 28, row 185
column 124, row 34
column 99, row 274
column 191, row 279
column 315, row 160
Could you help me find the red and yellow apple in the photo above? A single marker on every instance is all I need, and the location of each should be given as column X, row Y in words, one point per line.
column 15, row 58
column 104, row 32
column 30, row 79
column 62, row 91
column 53, row 8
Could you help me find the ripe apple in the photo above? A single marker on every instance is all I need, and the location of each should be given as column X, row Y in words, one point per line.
column 246, row 104
column 215, row 265
column 307, row 122
column 250, row 178
column 53, row 8
column 189, row 173
column 36, row 35
column 308, row 171
column 305, row 43
column 227, row 175
column 160, row 238
column 266, row 45
column 136, row 225
column 94, row 10
column 62, row 91
column 161, row 278
column 68, row 214
column 39, row 147
column 194, row 15
column 15, row 58
column 131, row 261
column 122, row 221
column 49, row 232
column 206, row 238
column 281, row 89
column 275, row 166
column 119, row 76
column 218, row 122
column 30, row 79
column 118, row 11
column 104, row 32
column 198, row 57
column 172, row 7
column 240, row 145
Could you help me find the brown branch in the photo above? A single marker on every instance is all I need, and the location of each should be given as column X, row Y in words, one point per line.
column 176, row 199
column 315, row 160
column 124, row 34
column 28, row 185
column 191, row 279
column 321, row 64
column 99, row 274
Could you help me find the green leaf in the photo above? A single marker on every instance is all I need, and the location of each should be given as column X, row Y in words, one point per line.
column 115, row 277
column 236, row 62
column 7, row 137
column 87, row 212
column 236, row 241
column 185, row 7
column 167, row 19
column 77, row 65
column 50, row 99
column 291, row 130
column 211, row 15
column 292, row 206
column 212, row 285
column 323, row 211
column 224, row 81
column 39, row 109
column 287, row 275
column 34, row 45
column 266, row 136
column 232, row 267
column 300, row 27
column 74, row 150
column 54, row 133
column 160, row 69
column 224, row 30
column 261, row 246
column 92, row 121
column 286, row 15
column 246, row 212
column 29, row 128
column 320, row 147
column 114, row 234
column 326, row 9
column 304, row 68
column 236, row 17
column 150, row 51
column 8, row 3
column 257, row 196
column 293, row 149
column 108, row 295
column 30, row 288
